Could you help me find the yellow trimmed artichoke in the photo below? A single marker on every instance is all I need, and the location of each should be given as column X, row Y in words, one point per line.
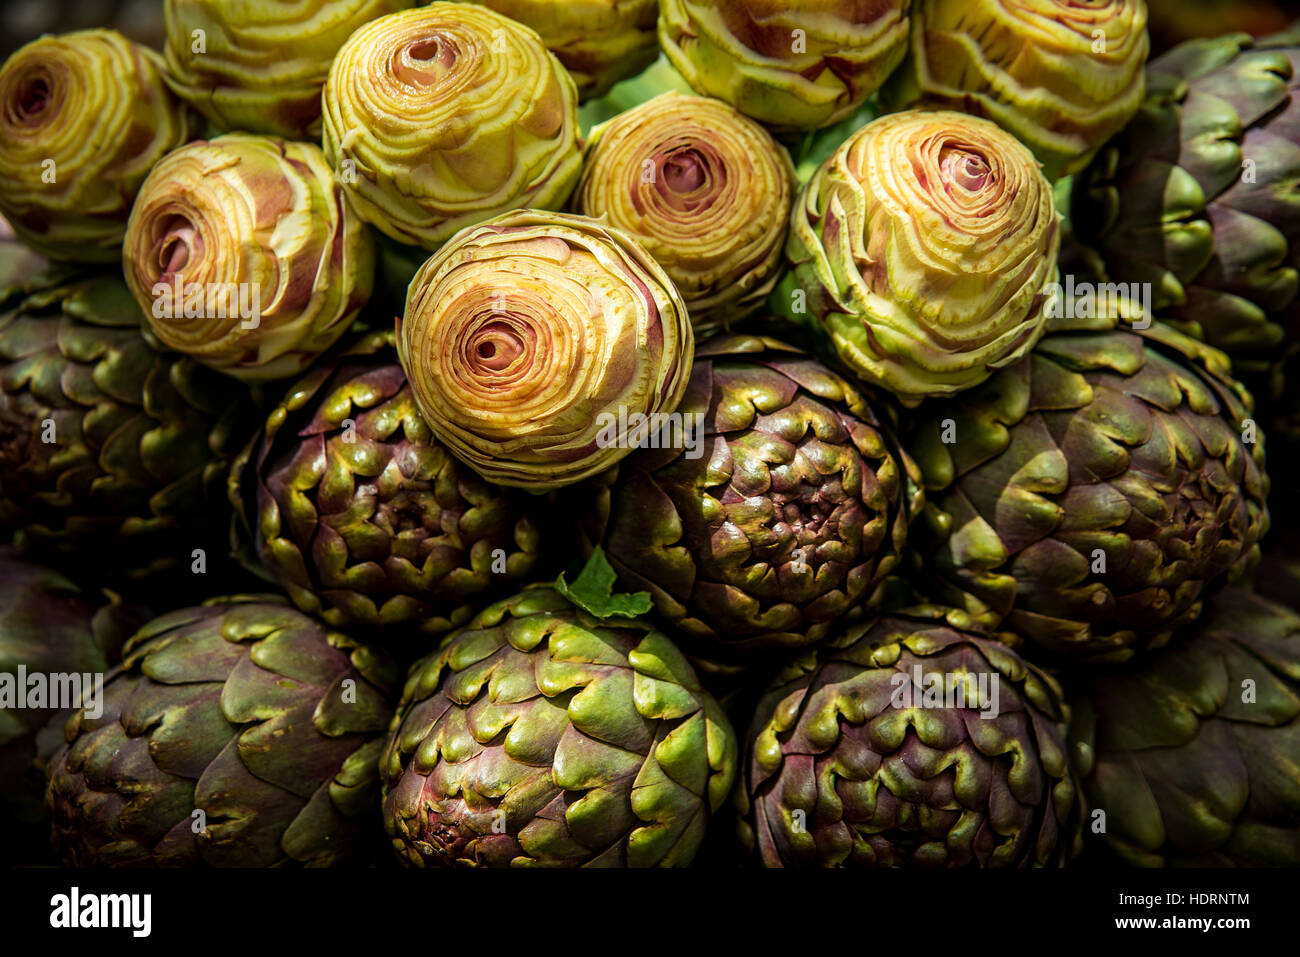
column 259, row 67
column 537, row 344
column 704, row 188
column 923, row 251
column 83, row 118
column 443, row 116
column 798, row 64
column 243, row 253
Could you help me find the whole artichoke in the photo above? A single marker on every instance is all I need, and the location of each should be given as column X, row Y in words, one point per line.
column 544, row 735
column 363, row 516
column 924, row 248
column 705, row 189
column 1193, row 754
column 1064, row 76
column 1088, row 496
column 83, row 118
column 242, row 253
column 782, row 511
column 237, row 734
column 539, row 344
column 260, row 67
column 443, row 116
column 1199, row 198
column 911, row 743
column 788, row 63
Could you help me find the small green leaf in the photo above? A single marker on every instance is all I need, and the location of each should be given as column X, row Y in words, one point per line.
column 593, row 591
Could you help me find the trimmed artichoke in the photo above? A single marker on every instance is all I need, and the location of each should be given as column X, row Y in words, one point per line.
column 243, row 253
column 706, row 190
column 1191, row 758
column 83, row 118
column 598, row 41
column 1199, row 198
column 538, row 344
column 1087, row 497
column 443, row 116
column 260, row 67
column 1064, row 76
column 237, row 734
column 363, row 517
column 779, row 509
column 924, row 248
column 800, row 64
column 542, row 735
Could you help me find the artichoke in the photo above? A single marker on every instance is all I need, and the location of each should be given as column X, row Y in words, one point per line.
column 544, row 734
column 782, row 511
column 598, row 41
column 707, row 192
column 1088, row 496
column 363, row 516
column 1191, row 758
column 441, row 117
column 260, row 67
column 1198, row 198
column 924, row 248
column 1063, row 76
column 237, row 734
column 911, row 742
column 83, row 118
column 539, row 345
column 242, row 253
column 788, row 63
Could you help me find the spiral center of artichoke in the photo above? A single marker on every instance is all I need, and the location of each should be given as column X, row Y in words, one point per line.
column 32, row 98
column 963, row 168
column 496, row 345
column 684, row 171
column 428, row 60
column 176, row 245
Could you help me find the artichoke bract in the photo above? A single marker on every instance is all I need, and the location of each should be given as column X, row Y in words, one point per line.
column 363, row 516
column 83, row 118
column 793, row 65
column 783, row 509
column 1188, row 758
column 240, row 733
column 260, row 67
column 705, row 189
column 922, row 252
column 540, row 346
column 911, row 742
column 443, row 116
column 1063, row 76
column 543, row 735
column 1197, row 198
column 243, row 253
column 598, row 41
column 1088, row 497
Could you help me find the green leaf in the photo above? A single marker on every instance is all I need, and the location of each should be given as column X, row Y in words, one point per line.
column 593, row 591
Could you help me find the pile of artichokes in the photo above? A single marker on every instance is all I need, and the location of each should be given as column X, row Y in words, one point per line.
column 763, row 434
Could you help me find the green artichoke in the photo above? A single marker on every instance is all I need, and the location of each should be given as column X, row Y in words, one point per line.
column 260, row 67
column 443, row 116
column 911, row 743
column 544, row 734
column 795, row 64
column 539, row 344
column 1200, row 198
column 705, row 189
column 922, row 252
column 779, row 508
column 1064, row 76
column 237, row 734
column 83, row 118
column 1088, row 496
column 1191, row 758
column 363, row 516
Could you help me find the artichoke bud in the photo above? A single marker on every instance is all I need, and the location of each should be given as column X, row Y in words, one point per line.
column 540, row 346
column 83, row 118
column 243, row 253
column 443, row 116
column 705, row 189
